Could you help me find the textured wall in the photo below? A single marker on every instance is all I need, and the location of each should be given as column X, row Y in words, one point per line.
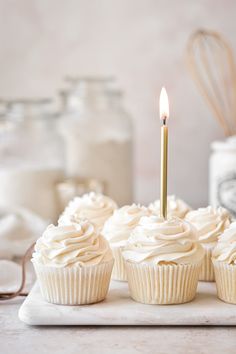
column 142, row 42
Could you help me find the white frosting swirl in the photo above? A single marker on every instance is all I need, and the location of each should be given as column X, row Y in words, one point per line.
column 157, row 241
column 210, row 222
column 118, row 227
column 175, row 207
column 92, row 206
column 72, row 245
column 225, row 250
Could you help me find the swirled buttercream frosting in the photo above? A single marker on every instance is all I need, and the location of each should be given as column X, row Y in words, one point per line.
column 95, row 207
column 158, row 241
column 175, row 207
column 118, row 227
column 77, row 244
column 210, row 222
column 225, row 250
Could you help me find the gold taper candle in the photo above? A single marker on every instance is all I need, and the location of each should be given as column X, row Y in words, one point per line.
column 164, row 115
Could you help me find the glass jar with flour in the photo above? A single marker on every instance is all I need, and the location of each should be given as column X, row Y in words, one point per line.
column 222, row 174
column 31, row 158
column 98, row 137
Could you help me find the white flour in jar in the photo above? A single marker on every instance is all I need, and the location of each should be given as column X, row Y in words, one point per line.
column 108, row 161
column 34, row 189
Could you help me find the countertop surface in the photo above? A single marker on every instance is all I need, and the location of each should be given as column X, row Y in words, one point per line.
column 15, row 337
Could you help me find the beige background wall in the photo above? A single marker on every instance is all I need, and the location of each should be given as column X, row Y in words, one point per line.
column 142, row 42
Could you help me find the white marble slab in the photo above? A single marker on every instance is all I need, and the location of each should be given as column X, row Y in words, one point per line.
column 120, row 309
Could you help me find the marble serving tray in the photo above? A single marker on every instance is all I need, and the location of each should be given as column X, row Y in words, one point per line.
column 120, row 309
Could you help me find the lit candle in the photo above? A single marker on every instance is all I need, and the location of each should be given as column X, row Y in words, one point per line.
column 164, row 115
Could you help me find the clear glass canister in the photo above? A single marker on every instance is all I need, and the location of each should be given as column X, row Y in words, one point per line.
column 31, row 157
column 222, row 174
column 98, row 135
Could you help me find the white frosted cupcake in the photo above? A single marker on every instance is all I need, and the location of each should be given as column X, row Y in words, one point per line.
column 95, row 207
column 163, row 261
column 210, row 224
column 73, row 264
column 117, row 230
column 175, row 207
column 224, row 261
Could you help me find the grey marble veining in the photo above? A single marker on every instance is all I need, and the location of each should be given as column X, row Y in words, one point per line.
column 120, row 309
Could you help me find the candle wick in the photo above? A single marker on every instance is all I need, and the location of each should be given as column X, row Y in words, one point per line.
column 164, row 120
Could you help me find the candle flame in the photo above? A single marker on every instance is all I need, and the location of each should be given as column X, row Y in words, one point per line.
column 164, row 104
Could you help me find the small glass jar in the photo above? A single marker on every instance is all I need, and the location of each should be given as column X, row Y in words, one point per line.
column 31, row 158
column 75, row 187
column 36, row 127
column 222, row 174
column 98, row 136
column 3, row 107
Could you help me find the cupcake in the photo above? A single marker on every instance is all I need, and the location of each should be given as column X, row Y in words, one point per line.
column 210, row 223
column 175, row 207
column 163, row 260
column 224, row 261
column 73, row 264
column 117, row 230
column 95, row 207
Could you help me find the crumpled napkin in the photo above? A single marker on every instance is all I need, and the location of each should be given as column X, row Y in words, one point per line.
column 19, row 228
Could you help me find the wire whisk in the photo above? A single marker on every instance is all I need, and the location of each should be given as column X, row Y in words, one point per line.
column 211, row 62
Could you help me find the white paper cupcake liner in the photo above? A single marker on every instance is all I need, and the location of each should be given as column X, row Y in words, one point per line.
column 207, row 269
column 74, row 285
column 162, row 284
column 119, row 269
column 225, row 275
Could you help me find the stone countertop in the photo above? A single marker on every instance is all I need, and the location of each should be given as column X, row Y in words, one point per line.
column 15, row 337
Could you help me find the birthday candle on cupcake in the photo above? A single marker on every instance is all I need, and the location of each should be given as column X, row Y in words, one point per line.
column 164, row 115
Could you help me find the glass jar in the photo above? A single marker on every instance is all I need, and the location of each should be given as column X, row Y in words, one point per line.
column 222, row 174
column 75, row 187
column 3, row 107
column 98, row 137
column 31, row 158
column 35, row 127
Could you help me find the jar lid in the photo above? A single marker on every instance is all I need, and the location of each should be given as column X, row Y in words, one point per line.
column 22, row 108
column 93, row 79
column 228, row 144
column 84, row 84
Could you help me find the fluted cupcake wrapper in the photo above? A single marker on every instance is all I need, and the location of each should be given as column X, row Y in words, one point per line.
column 207, row 269
column 119, row 269
column 225, row 275
column 162, row 284
column 74, row 285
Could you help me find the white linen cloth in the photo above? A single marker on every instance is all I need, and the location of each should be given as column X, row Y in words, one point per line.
column 19, row 228
column 10, row 276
